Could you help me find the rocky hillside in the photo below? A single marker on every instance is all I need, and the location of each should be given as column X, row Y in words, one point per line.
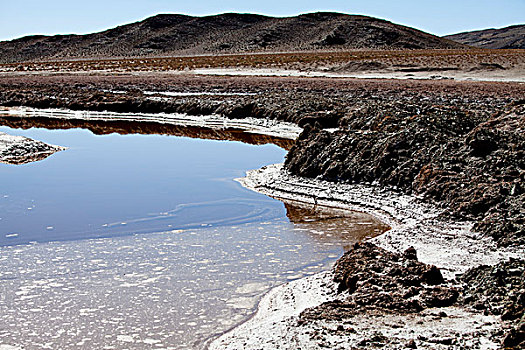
column 512, row 37
column 226, row 33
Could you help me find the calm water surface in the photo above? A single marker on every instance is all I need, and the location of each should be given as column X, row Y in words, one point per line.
column 138, row 242
column 104, row 186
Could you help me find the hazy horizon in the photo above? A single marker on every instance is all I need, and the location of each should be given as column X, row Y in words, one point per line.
column 31, row 17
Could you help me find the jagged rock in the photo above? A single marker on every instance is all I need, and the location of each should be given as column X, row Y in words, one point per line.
column 376, row 279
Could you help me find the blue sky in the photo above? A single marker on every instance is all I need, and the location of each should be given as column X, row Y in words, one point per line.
column 23, row 17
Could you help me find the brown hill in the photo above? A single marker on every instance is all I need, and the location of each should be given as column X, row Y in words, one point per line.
column 168, row 35
column 512, row 37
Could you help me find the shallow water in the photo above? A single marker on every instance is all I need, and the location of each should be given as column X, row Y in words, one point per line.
column 104, row 186
column 185, row 253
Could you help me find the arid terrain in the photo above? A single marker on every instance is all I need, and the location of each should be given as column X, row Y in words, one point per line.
column 512, row 37
column 457, row 145
column 440, row 126
column 168, row 35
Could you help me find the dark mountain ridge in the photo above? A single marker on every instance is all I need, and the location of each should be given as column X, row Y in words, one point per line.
column 173, row 34
column 512, row 37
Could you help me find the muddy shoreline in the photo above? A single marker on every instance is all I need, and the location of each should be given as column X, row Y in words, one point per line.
column 457, row 146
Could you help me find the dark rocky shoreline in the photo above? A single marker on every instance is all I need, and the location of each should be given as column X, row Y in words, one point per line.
column 471, row 165
column 460, row 146
column 381, row 282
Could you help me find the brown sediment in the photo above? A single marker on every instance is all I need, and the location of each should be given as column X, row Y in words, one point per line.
column 335, row 60
column 332, row 224
column 325, row 101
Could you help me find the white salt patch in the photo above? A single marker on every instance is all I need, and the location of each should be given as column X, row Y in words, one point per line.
column 507, row 75
column 251, row 288
column 125, row 338
column 10, row 347
column 208, row 93
column 451, row 246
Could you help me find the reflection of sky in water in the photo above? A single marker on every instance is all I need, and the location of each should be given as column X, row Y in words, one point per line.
column 152, row 290
column 111, row 185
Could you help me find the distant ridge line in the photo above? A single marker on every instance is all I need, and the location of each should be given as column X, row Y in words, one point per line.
column 511, row 37
column 228, row 33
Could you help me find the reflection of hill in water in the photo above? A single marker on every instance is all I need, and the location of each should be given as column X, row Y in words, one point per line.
column 103, row 127
column 334, row 226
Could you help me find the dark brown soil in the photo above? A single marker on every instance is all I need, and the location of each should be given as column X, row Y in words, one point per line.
column 339, row 61
column 377, row 280
column 500, row 290
column 469, row 161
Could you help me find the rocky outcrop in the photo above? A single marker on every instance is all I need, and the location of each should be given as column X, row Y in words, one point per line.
column 380, row 281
